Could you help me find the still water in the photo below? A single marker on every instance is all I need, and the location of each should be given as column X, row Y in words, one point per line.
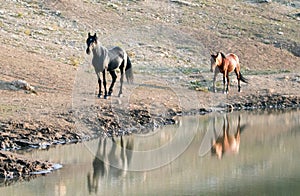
column 177, row 160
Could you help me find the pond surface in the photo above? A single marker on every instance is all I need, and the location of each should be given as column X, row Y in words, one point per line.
column 177, row 160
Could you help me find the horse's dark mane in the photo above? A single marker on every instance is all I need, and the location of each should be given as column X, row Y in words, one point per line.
column 223, row 55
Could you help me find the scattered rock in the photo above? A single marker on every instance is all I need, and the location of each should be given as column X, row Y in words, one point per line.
column 265, row 1
column 16, row 167
column 280, row 33
column 186, row 3
column 269, row 101
column 35, row 135
column 112, row 5
column 22, row 84
column 270, row 90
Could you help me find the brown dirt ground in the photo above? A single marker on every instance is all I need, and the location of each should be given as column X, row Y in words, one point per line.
column 169, row 42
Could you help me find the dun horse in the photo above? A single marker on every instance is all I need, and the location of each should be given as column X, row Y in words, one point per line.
column 109, row 60
column 225, row 65
column 227, row 143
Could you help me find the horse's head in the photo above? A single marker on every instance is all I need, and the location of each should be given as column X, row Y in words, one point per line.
column 217, row 149
column 216, row 60
column 91, row 41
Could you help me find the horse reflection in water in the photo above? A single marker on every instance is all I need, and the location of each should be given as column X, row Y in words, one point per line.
column 227, row 143
column 112, row 160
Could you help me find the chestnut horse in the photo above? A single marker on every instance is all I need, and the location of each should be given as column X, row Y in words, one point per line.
column 225, row 65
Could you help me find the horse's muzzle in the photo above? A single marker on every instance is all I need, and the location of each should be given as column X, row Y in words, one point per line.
column 88, row 51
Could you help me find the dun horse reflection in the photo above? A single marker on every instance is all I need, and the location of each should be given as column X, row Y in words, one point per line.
column 227, row 143
column 112, row 160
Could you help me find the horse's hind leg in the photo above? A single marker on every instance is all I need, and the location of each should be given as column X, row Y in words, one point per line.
column 225, row 82
column 114, row 78
column 121, row 80
column 104, row 84
column 239, row 79
column 239, row 84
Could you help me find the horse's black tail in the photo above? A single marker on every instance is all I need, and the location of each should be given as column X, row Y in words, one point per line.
column 129, row 71
column 243, row 78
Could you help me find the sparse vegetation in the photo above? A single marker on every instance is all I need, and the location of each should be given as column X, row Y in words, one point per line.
column 199, row 85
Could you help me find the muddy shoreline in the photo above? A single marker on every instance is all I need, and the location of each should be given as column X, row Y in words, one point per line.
column 17, row 135
column 18, row 168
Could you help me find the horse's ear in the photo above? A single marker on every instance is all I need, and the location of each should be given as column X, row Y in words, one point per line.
column 95, row 36
column 223, row 55
column 89, row 34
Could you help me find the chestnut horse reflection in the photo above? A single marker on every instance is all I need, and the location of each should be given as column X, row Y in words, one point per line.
column 227, row 143
column 111, row 161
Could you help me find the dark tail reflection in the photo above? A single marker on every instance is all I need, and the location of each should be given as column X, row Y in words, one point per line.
column 227, row 143
column 111, row 161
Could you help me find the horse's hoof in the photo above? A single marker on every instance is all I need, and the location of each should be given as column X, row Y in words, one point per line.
column 120, row 95
column 213, row 89
column 99, row 96
column 105, row 97
column 109, row 94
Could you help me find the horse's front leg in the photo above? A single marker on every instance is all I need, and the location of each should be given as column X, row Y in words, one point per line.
column 224, row 83
column 99, row 84
column 114, row 78
column 104, row 84
column 228, row 84
column 214, row 80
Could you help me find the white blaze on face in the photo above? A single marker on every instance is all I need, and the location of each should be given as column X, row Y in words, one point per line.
column 213, row 63
column 92, row 45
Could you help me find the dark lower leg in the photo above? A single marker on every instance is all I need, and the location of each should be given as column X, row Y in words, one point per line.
column 104, row 85
column 114, row 78
column 100, row 92
column 238, row 76
column 214, row 84
column 224, row 84
column 227, row 87
column 121, row 81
